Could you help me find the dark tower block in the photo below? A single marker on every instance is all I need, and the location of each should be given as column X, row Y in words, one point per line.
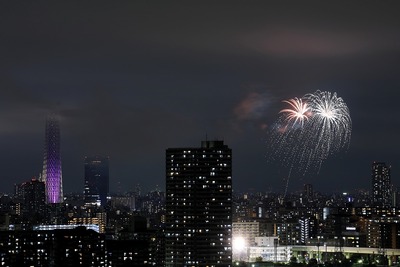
column 199, row 205
column 96, row 180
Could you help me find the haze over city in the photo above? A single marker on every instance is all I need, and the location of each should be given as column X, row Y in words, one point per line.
column 130, row 80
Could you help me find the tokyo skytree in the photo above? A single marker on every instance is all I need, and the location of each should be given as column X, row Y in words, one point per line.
column 52, row 175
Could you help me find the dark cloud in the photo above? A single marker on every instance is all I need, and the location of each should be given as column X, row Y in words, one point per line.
column 253, row 106
column 304, row 43
column 130, row 79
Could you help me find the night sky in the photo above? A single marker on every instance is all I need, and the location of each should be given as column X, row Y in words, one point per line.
column 131, row 79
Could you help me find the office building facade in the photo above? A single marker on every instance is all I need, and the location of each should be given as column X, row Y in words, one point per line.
column 96, row 180
column 199, row 205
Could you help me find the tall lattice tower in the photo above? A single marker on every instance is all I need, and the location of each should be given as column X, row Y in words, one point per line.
column 52, row 175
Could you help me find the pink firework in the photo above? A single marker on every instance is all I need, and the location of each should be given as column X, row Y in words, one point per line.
column 299, row 111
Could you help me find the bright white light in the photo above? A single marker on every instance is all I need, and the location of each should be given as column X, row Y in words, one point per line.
column 238, row 243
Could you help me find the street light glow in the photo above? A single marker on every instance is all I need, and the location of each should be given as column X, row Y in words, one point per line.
column 238, row 243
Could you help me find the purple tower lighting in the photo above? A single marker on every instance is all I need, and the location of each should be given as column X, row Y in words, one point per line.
column 52, row 175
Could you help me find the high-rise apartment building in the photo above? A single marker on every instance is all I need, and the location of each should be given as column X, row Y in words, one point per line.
column 52, row 174
column 199, row 205
column 96, row 180
column 381, row 185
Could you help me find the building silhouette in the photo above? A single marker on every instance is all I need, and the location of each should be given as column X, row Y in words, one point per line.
column 52, row 174
column 32, row 196
column 199, row 205
column 308, row 192
column 96, row 180
column 381, row 185
column 72, row 247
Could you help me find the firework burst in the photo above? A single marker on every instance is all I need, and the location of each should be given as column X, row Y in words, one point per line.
column 298, row 112
column 331, row 123
column 312, row 128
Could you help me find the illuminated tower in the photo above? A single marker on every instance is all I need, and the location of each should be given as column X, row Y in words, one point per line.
column 96, row 180
column 52, row 175
column 381, row 185
column 199, row 206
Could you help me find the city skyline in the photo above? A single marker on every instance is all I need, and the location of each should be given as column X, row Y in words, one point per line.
column 129, row 80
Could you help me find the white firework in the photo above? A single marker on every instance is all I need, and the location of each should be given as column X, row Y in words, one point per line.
column 314, row 127
column 330, row 123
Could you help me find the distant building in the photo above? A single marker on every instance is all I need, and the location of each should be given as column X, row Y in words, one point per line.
column 381, row 185
column 136, row 245
column 243, row 236
column 51, row 227
column 268, row 249
column 308, row 228
column 308, row 191
column 96, row 180
column 73, row 247
column 128, row 253
column 247, row 230
column 52, row 174
column 396, row 197
column 123, row 201
column 98, row 220
column 383, row 233
column 199, row 205
column 33, row 198
column 289, row 232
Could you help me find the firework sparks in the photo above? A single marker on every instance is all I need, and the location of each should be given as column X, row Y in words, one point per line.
column 299, row 111
column 314, row 127
column 331, row 121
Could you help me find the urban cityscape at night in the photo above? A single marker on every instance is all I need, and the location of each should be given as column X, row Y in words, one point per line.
column 194, row 134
